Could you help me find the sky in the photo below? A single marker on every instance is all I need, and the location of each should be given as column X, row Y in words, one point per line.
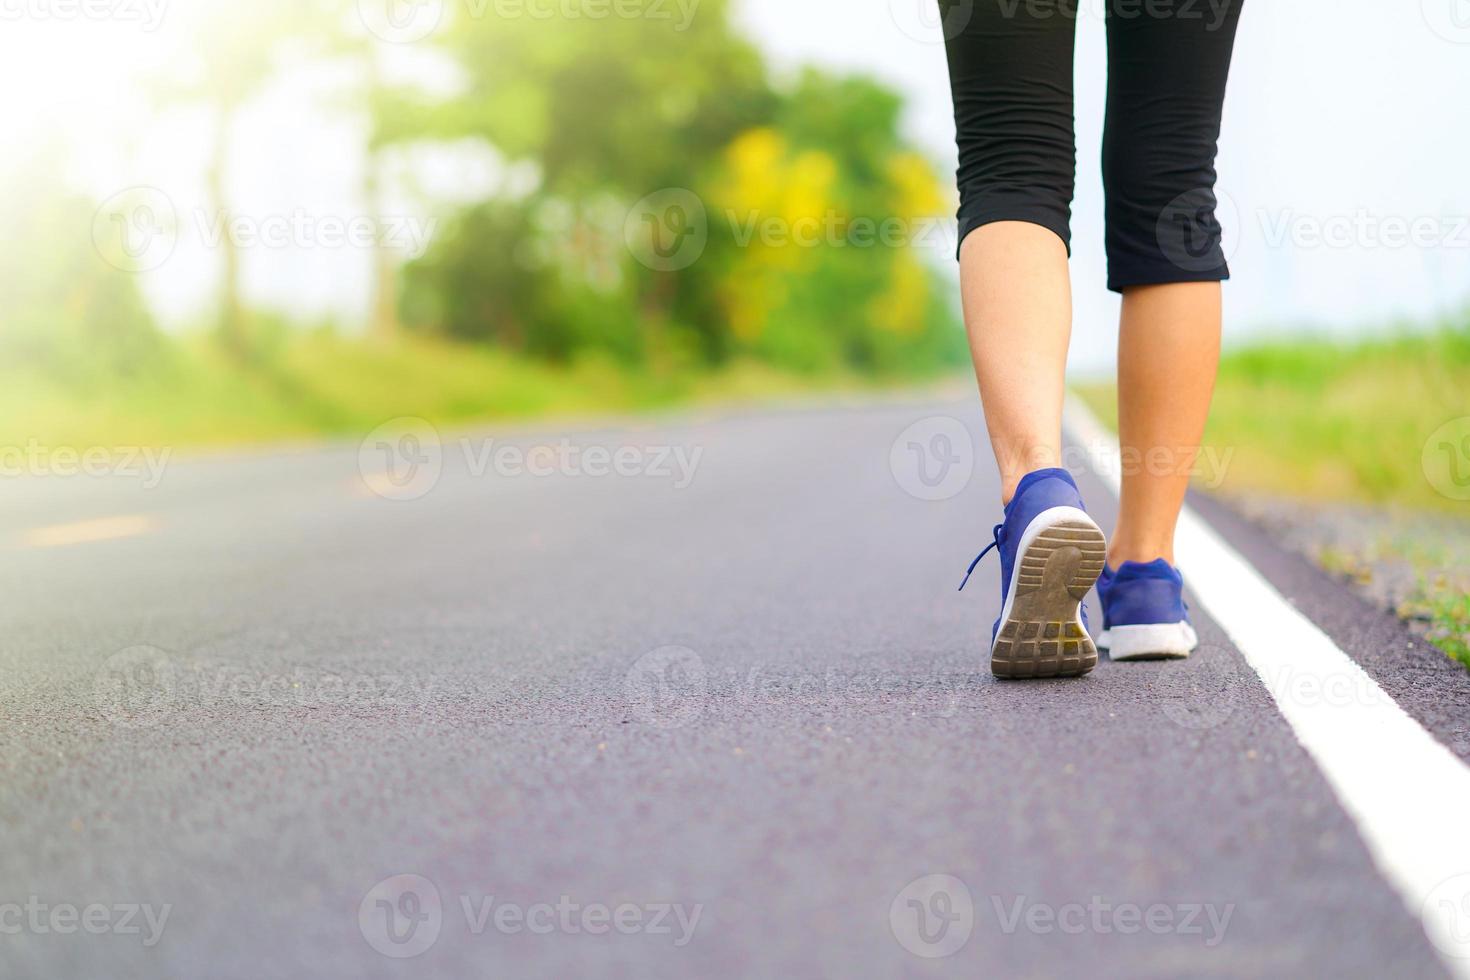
column 1346, row 134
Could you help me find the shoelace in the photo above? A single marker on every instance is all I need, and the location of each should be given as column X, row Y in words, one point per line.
column 995, row 533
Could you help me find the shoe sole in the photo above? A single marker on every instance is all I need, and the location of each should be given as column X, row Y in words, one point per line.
column 1041, row 634
column 1151, row 641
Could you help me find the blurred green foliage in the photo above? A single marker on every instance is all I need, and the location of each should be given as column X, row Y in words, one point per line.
column 1316, row 417
column 67, row 313
column 610, row 111
column 534, row 290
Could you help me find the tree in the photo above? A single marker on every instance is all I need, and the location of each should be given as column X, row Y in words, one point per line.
column 232, row 51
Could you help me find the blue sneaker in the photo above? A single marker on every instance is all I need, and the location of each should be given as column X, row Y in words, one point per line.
column 1050, row 554
column 1144, row 615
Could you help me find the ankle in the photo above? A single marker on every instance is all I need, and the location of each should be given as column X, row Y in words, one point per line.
column 1141, row 552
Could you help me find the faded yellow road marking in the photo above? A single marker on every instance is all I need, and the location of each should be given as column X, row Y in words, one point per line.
column 81, row 532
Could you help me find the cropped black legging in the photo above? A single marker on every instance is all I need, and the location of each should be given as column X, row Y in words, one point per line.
column 1010, row 67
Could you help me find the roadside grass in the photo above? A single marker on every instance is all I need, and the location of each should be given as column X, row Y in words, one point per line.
column 1318, row 420
column 323, row 385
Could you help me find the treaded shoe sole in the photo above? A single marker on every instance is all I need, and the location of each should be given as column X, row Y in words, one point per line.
column 1151, row 641
column 1041, row 633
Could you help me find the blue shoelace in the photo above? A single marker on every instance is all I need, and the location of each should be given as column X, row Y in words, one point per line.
column 995, row 533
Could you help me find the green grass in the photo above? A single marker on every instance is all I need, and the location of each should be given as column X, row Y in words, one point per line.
column 1319, row 420
column 321, row 385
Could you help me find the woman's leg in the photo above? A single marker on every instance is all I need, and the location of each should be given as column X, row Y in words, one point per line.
column 1018, row 312
column 1168, row 348
column 1166, row 88
column 1011, row 72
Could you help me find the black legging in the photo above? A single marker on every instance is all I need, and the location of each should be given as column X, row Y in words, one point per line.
column 1010, row 67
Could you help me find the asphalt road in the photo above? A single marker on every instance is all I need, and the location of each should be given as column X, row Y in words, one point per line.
column 261, row 720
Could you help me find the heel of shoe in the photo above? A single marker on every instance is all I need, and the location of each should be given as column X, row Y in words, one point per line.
column 1160, row 641
column 1041, row 634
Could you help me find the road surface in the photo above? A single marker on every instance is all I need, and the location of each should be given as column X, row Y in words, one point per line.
column 706, row 706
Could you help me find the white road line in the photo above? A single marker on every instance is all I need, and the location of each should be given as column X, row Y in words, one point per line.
column 1407, row 793
column 81, row 532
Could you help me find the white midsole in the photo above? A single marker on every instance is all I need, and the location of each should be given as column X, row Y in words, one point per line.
column 1044, row 521
column 1149, row 640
